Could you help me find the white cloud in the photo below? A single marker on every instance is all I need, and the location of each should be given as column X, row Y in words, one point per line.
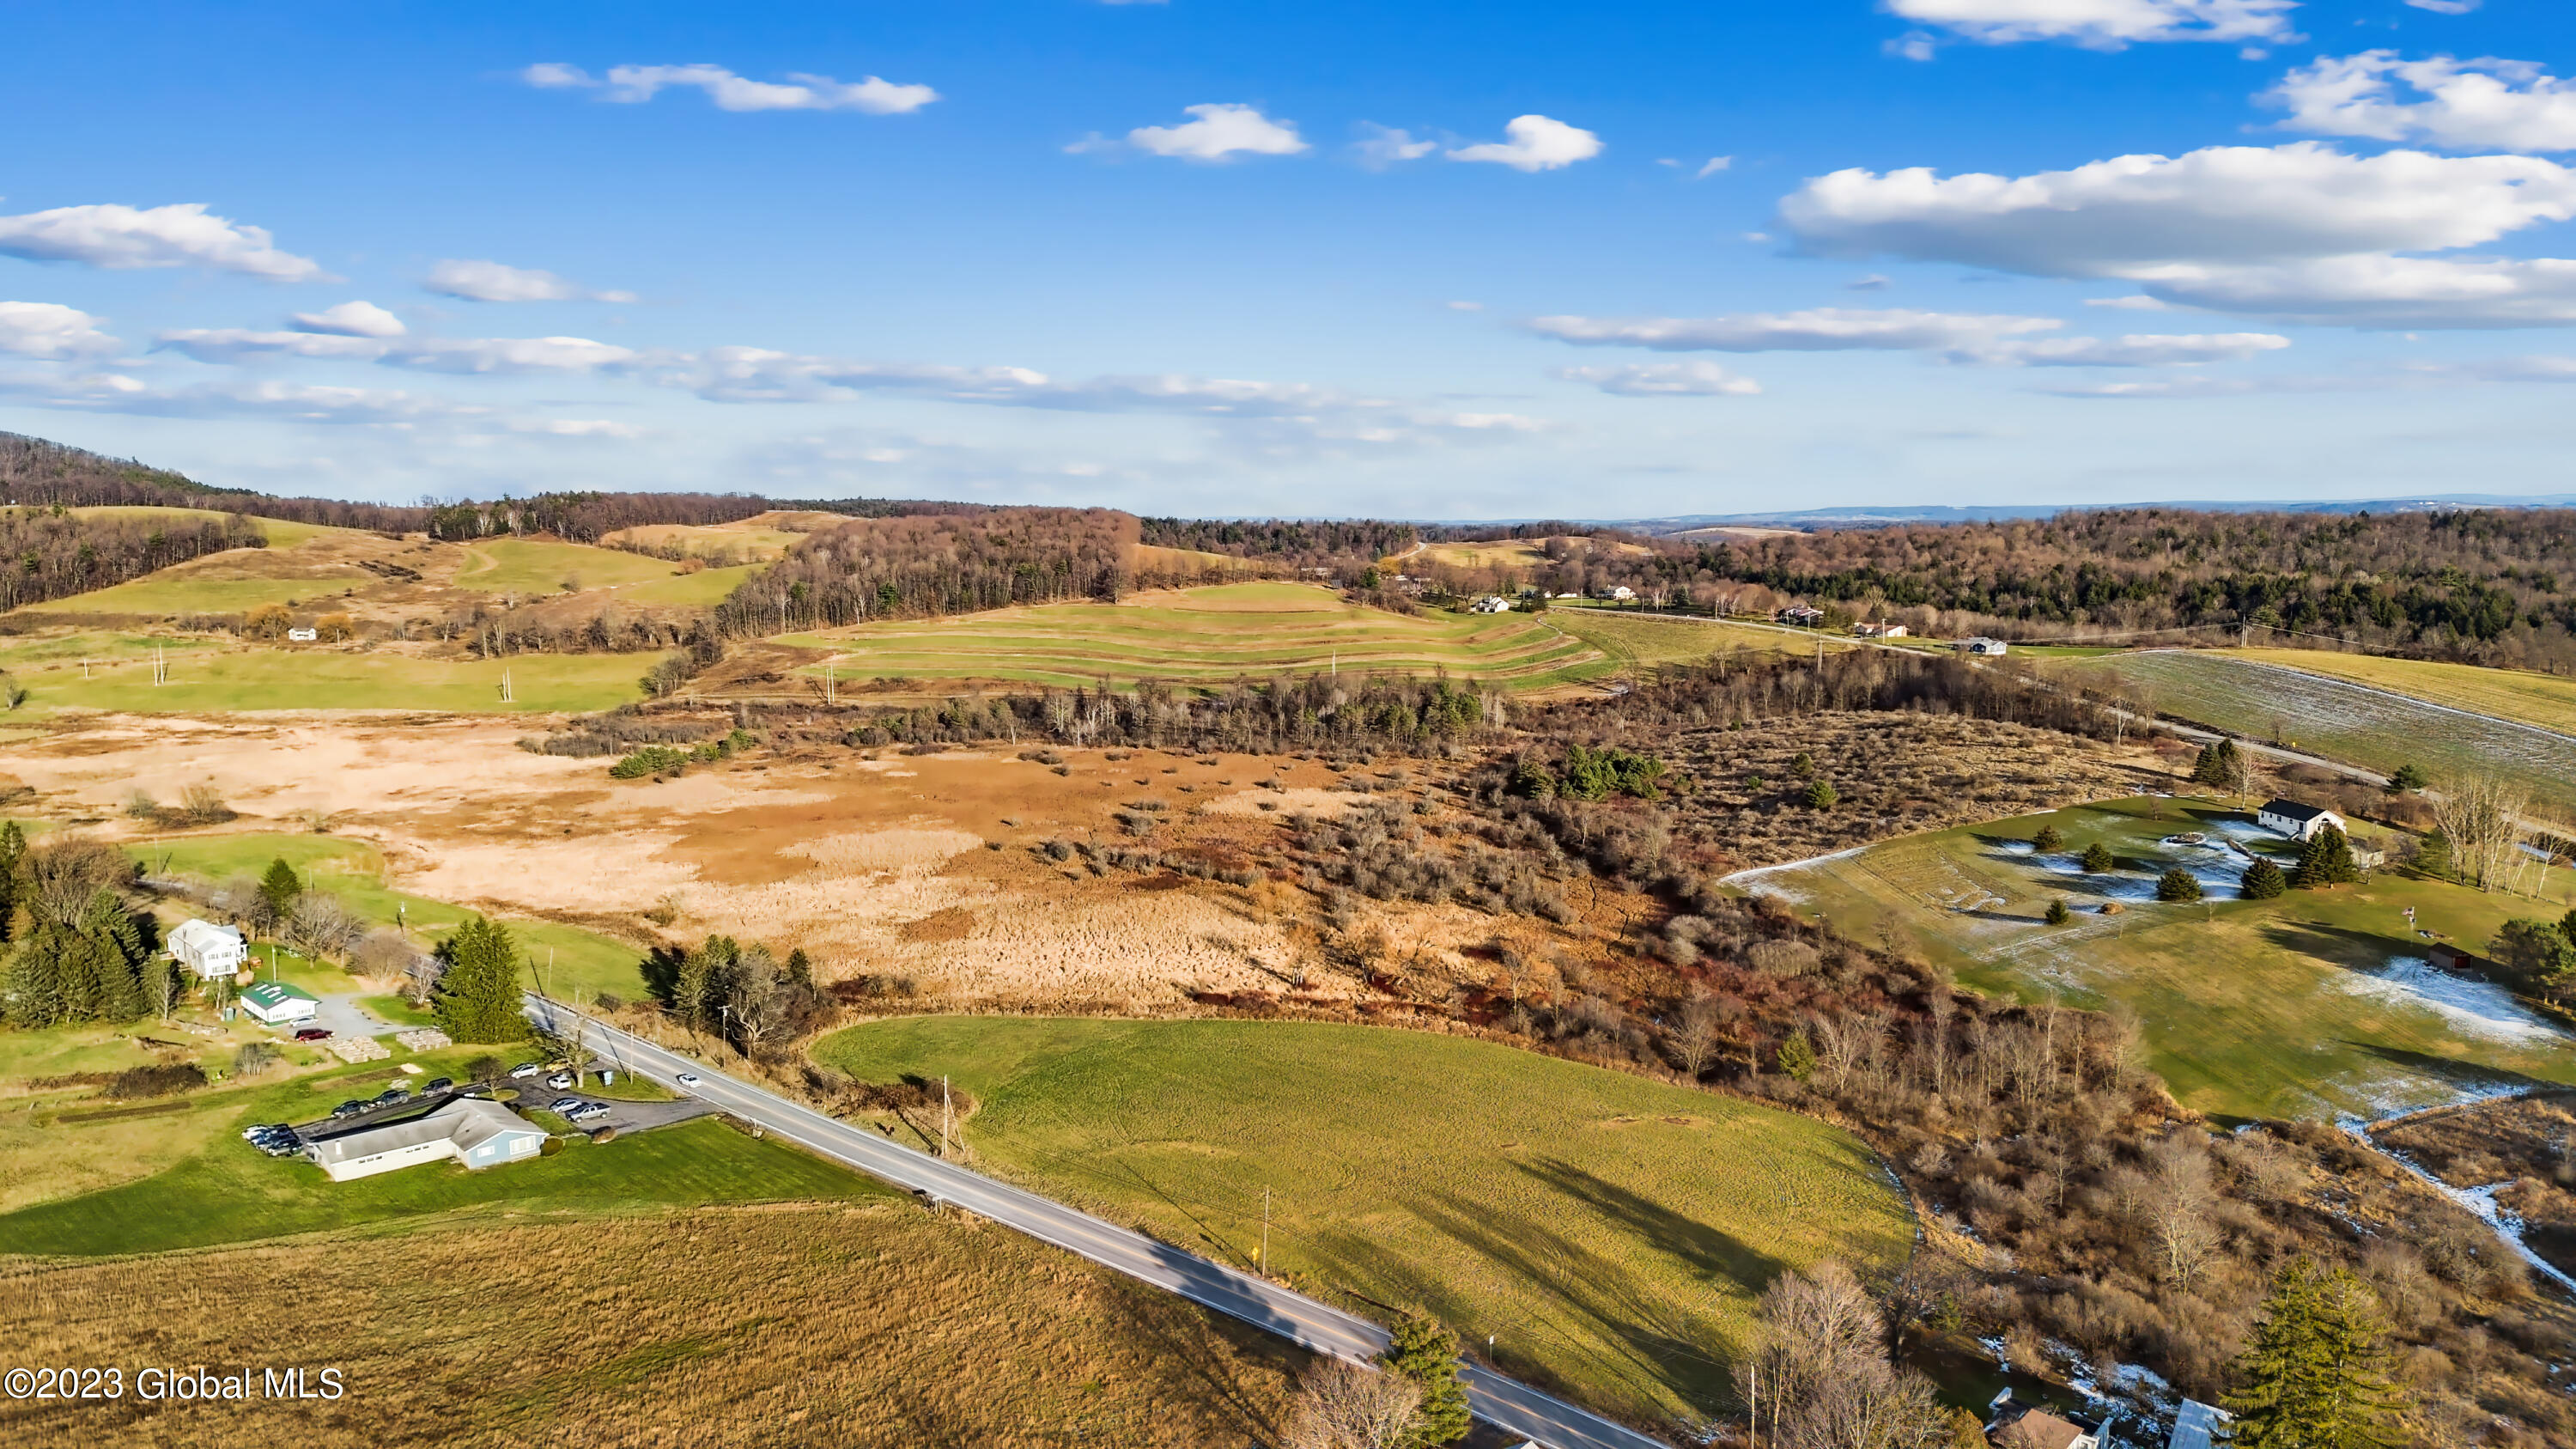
column 2130, row 304
column 2510, row 105
column 1537, row 144
column 351, row 319
column 2446, row 7
column 634, row 84
column 1464, row 306
column 578, row 428
column 1712, row 166
column 1912, row 45
column 571, row 355
column 50, row 330
column 1874, row 282
column 1382, row 146
column 1819, row 329
column 1665, row 379
column 293, row 402
column 2134, row 350
column 1220, row 131
column 2102, row 24
column 122, row 238
column 494, row 282
column 2295, row 232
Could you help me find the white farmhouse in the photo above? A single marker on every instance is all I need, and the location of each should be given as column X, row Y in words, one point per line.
column 2297, row 821
column 1620, row 593
column 1490, row 604
column 1984, row 645
column 475, row 1132
column 209, row 950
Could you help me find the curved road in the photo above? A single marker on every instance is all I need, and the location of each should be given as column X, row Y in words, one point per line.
column 1321, row 1328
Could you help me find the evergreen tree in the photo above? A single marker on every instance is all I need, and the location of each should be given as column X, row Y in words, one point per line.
column 2098, row 858
column 1427, row 1353
column 2205, row 771
column 2433, row 857
column 2316, row 1375
column 2325, row 860
column 800, row 968
column 34, row 985
column 1798, row 1055
column 478, row 993
column 2407, row 780
column 279, row 888
column 2177, row 887
column 13, row 856
column 2262, row 881
column 2047, row 841
column 92, row 969
column 1822, row 795
column 2058, row 915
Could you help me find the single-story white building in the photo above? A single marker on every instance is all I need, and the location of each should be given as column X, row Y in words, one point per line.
column 278, row 1003
column 303, row 636
column 1802, row 615
column 209, row 950
column 475, row 1132
column 1879, row 631
column 1622, row 593
column 2297, row 821
column 1983, row 645
column 1490, row 604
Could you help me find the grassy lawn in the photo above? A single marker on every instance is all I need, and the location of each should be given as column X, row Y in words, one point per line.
column 170, row 593
column 575, row 964
column 39, row 654
column 330, row 678
column 2377, row 731
column 1611, row 1230
column 1640, row 640
column 279, row 532
column 2315, row 1003
column 538, row 566
column 2546, row 700
column 231, row 1193
column 1208, row 636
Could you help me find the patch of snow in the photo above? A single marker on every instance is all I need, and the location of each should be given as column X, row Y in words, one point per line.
column 2468, row 1004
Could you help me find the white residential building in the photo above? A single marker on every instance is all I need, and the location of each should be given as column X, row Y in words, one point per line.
column 209, row 950
column 1490, row 604
column 1984, row 645
column 475, row 1132
column 2297, row 821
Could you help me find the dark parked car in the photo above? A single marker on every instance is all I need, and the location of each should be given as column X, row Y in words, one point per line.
column 349, row 1109
column 314, row 1033
column 437, row 1084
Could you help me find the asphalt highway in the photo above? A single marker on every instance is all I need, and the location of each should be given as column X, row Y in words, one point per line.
column 1321, row 1328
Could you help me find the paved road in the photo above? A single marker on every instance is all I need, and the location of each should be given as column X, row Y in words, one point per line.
column 1511, row 1405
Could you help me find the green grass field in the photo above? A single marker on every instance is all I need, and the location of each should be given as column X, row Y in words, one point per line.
column 539, row 566
column 1640, row 641
column 2378, row 731
column 320, row 677
column 2303, row 1005
column 1208, row 636
column 1610, row 1230
column 279, row 532
column 170, row 593
column 2546, row 700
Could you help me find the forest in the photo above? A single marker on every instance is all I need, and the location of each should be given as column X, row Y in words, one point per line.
column 921, row 566
column 1290, row 543
column 52, row 553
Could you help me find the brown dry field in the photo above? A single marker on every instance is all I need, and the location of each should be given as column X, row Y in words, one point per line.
column 843, row 855
column 2527, row 1143
column 871, row 1325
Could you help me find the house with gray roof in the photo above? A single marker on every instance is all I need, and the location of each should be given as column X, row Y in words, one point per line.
column 470, row 1130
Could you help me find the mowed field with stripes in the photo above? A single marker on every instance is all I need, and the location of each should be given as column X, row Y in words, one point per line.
column 1207, row 637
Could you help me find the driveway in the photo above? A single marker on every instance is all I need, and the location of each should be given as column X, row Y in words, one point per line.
column 343, row 1016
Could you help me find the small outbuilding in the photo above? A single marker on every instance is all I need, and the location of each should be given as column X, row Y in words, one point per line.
column 1879, row 631
column 1985, row 646
column 1490, row 604
column 470, row 1130
column 2297, row 821
column 278, row 1003
column 1802, row 615
column 2196, row 1425
column 2020, row 1427
column 209, row 950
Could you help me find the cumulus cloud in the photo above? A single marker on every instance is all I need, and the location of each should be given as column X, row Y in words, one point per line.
column 2511, row 105
column 2296, row 232
column 1665, row 379
column 2102, row 24
column 1818, row 329
column 494, row 282
column 1382, row 146
column 635, row 84
column 122, row 238
column 293, row 402
column 1218, row 132
column 2139, row 303
column 351, row 319
column 2135, row 350
column 2446, row 7
column 50, row 330
column 578, row 428
column 1537, row 144
column 567, row 355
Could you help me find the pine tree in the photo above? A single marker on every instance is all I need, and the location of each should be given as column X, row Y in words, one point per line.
column 34, row 983
column 2177, row 887
column 2433, row 857
column 2325, row 860
column 2206, row 770
column 279, row 888
column 2316, row 1375
column 1822, row 795
column 2407, row 780
column 1798, row 1055
column 1427, row 1353
column 2262, row 881
column 2098, row 858
column 478, row 994
column 2047, row 841
column 2058, row 915
column 13, row 855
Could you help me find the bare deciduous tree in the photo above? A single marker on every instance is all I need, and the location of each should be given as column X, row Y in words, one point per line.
column 2482, row 819
column 1694, row 1037
column 1340, row 1405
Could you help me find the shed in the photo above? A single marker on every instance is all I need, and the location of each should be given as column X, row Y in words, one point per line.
column 2194, row 1426
column 1879, row 631
column 2030, row 1428
column 278, row 1003
column 1983, row 645
column 475, row 1132
column 1802, row 615
column 2297, row 821
column 209, row 950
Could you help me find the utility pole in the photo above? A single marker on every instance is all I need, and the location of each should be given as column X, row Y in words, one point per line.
column 946, row 1117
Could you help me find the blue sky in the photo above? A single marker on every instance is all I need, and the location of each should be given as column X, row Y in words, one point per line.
column 1615, row 260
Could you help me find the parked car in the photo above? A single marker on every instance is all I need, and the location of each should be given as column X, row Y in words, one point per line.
column 314, row 1033
column 559, row 1080
column 587, row 1110
column 525, row 1070
column 437, row 1084
column 349, row 1109
column 688, row 1079
column 561, row 1105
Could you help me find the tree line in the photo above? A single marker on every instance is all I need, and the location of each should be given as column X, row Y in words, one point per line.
column 50, row 552
column 1289, row 542
column 923, row 566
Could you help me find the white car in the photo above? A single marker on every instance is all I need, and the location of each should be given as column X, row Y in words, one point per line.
column 559, row 1080
column 525, row 1070
column 687, row 1079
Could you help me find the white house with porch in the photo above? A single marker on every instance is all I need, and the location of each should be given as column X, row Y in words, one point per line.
column 209, row 950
